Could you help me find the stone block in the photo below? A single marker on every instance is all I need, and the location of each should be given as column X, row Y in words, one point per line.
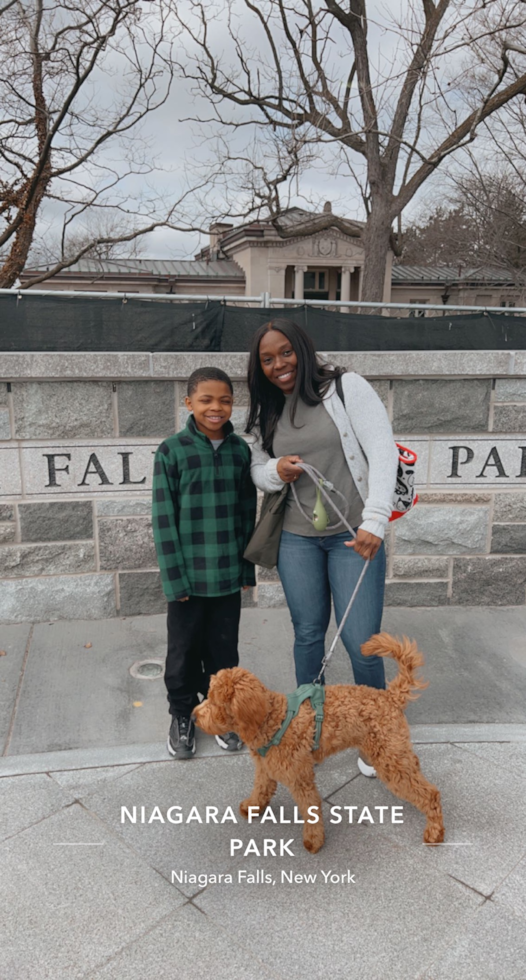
column 491, row 946
column 443, row 531
column 5, row 424
column 181, row 365
column 141, row 594
column 7, row 533
column 124, row 506
column 418, row 364
column 7, row 512
column 26, row 800
column 441, row 406
column 381, row 388
column 58, row 521
column 75, row 364
column 146, row 408
column 85, row 904
column 509, row 418
column 489, row 581
column 508, row 539
column 421, row 567
column 474, row 462
column 510, row 390
column 3, row 393
column 270, row 596
column 62, row 409
column 415, row 593
column 511, row 894
column 182, row 939
column 30, row 600
column 510, row 506
column 469, row 497
column 47, row 559
column 127, row 543
column 103, row 467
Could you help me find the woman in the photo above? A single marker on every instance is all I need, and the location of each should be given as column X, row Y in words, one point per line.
column 297, row 415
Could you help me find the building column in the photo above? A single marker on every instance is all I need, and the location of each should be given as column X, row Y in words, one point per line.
column 298, row 280
column 345, row 293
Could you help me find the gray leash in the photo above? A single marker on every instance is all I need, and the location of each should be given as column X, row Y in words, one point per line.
column 322, row 483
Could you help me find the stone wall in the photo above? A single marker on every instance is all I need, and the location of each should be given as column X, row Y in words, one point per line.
column 77, row 434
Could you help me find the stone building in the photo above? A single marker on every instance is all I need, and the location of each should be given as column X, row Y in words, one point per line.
column 313, row 256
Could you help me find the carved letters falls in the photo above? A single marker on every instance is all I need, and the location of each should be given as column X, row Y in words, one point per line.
column 56, row 466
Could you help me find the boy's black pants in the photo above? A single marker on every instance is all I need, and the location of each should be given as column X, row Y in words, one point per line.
column 202, row 639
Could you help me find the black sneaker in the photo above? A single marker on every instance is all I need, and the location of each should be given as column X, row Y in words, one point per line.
column 230, row 742
column 181, row 739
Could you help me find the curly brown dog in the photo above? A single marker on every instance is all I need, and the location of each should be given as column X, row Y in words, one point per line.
column 355, row 716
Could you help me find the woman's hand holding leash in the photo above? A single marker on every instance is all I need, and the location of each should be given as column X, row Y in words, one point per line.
column 365, row 544
column 287, row 469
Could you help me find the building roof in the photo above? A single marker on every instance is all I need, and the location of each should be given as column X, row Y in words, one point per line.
column 448, row 273
column 215, row 269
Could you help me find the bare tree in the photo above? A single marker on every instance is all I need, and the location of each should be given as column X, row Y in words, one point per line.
column 102, row 236
column 481, row 223
column 77, row 80
column 389, row 98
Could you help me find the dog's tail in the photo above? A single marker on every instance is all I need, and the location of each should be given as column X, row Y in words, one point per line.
column 405, row 686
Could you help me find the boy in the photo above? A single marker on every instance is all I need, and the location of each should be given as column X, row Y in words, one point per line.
column 203, row 513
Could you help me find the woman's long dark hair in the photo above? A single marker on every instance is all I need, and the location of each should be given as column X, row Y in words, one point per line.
column 266, row 400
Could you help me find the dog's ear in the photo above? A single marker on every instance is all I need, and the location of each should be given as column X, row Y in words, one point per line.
column 223, row 684
column 221, row 688
column 249, row 706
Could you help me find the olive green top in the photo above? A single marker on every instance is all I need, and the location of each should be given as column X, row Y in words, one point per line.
column 315, row 438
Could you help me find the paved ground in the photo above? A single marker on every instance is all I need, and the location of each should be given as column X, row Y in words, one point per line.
column 86, row 896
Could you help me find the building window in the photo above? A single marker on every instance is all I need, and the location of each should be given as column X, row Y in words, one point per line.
column 315, row 284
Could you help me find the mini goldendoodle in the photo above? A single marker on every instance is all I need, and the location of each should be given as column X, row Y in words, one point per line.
column 355, row 716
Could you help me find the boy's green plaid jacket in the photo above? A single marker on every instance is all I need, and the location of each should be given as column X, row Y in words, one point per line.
column 203, row 513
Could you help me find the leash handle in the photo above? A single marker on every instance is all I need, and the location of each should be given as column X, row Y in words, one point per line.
column 321, row 483
column 319, row 480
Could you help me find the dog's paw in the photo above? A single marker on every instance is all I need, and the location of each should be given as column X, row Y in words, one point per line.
column 314, row 844
column 433, row 835
column 243, row 807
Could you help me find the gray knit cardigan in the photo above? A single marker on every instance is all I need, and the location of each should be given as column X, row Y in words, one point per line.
column 368, row 446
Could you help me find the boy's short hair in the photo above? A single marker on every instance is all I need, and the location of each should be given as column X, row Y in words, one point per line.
column 207, row 374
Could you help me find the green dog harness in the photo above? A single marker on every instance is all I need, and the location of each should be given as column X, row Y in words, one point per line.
column 316, row 694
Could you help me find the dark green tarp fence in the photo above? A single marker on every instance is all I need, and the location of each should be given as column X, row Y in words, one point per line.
column 78, row 323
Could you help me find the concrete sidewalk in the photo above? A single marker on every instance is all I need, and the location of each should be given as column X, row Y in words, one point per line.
column 67, row 685
column 88, row 897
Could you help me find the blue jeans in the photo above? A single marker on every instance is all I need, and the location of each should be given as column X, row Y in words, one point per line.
column 311, row 569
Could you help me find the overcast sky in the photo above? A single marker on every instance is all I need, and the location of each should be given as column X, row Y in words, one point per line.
column 177, row 145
